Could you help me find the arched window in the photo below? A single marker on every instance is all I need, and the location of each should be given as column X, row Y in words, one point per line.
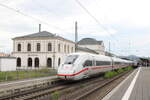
column 49, row 47
column 29, row 47
column 58, row 47
column 29, row 62
column 18, row 62
column 49, row 62
column 36, row 62
column 38, row 47
column 19, row 47
column 65, row 48
column 59, row 61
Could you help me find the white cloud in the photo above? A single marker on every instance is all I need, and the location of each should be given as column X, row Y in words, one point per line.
column 130, row 12
column 60, row 15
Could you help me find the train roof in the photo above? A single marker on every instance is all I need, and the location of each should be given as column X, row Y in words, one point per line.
column 78, row 53
column 82, row 53
column 102, row 57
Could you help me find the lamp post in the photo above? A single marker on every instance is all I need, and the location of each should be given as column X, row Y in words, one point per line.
column 76, row 35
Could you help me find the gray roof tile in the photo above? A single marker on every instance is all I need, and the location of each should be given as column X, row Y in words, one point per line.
column 39, row 34
column 89, row 41
column 42, row 34
column 100, row 42
column 86, row 49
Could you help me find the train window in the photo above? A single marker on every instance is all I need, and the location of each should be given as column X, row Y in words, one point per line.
column 71, row 59
column 87, row 63
column 117, row 63
column 100, row 63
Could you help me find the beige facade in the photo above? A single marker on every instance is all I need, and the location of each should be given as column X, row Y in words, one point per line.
column 41, row 50
column 90, row 43
column 46, row 50
column 7, row 63
column 98, row 48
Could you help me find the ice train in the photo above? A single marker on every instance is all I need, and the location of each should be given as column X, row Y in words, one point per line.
column 83, row 65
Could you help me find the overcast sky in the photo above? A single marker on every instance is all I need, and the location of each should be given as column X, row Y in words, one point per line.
column 125, row 23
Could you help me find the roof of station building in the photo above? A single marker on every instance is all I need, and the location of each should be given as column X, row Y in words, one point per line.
column 86, row 50
column 42, row 34
column 89, row 41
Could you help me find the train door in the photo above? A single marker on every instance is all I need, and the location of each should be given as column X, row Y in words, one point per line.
column 93, row 65
column 112, row 64
column 88, row 66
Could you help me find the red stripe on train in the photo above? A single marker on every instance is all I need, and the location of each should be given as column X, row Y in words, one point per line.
column 83, row 71
column 99, row 67
column 74, row 73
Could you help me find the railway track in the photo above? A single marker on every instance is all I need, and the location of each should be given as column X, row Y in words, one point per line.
column 64, row 90
column 87, row 89
column 88, row 95
column 46, row 89
column 33, row 89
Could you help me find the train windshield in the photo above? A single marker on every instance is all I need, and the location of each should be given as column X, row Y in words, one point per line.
column 71, row 59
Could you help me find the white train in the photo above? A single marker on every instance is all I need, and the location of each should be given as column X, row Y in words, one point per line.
column 83, row 65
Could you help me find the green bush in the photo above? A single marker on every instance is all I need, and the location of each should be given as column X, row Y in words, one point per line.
column 128, row 68
column 120, row 70
column 110, row 74
column 114, row 73
column 55, row 95
column 15, row 75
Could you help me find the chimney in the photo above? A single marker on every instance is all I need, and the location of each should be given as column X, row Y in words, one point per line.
column 39, row 27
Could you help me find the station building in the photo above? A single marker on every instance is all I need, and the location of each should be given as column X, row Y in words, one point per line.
column 86, row 50
column 93, row 45
column 46, row 50
column 41, row 50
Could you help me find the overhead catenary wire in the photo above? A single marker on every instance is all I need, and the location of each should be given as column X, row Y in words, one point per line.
column 92, row 16
column 29, row 16
column 48, row 10
column 5, row 0
column 97, row 2
column 95, row 19
column 41, row 21
column 45, row 8
column 121, row 51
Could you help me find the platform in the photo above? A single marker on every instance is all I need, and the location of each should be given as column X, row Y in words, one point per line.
column 135, row 87
column 24, row 83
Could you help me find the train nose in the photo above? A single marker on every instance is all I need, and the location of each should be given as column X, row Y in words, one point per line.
column 65, row 72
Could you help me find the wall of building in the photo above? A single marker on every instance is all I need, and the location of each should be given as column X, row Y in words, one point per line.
column 55, row 54
column 42, row 60
column 44, row 47
column 82, row 51
column 44, row 54
column 7, row 64
column 98, row 48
